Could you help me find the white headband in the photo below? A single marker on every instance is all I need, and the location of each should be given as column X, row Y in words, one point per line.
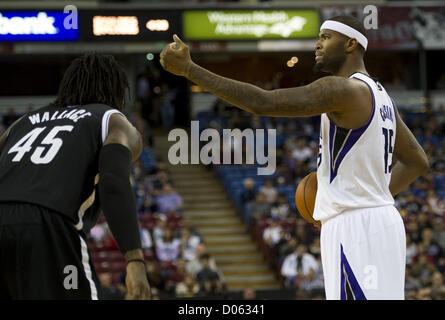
column 346, row 30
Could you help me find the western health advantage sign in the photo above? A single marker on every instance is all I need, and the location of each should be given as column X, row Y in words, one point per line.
column 250, row 24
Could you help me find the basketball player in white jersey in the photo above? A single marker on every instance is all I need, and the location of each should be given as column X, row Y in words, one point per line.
column 368, row 155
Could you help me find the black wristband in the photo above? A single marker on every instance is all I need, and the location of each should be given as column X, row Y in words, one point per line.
column 136, row 260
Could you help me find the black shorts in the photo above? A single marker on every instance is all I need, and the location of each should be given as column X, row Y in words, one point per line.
column 43, row 256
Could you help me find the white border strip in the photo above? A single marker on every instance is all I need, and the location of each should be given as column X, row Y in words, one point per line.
column 346, row 30
column 105, row 120
column 87, row 268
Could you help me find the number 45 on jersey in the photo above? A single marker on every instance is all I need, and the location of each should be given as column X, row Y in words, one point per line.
column 25, row 145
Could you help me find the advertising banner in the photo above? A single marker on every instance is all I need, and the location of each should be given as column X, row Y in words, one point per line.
column 250, row 24
column 37, row 26
column 130, row 25
column 399, row 27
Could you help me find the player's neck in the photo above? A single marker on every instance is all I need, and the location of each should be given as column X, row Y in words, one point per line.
column 351, row 67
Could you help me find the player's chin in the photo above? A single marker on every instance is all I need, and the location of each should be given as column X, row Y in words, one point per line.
column 318, row 66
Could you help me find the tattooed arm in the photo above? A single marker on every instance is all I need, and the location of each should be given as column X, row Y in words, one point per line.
column 411, row 159
column 329, row 94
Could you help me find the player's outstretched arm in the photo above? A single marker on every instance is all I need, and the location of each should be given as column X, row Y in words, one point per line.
column 329, row 94
column 123, row 145
column 411, row 159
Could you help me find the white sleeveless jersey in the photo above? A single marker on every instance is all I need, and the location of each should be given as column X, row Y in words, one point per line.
column 354, row 166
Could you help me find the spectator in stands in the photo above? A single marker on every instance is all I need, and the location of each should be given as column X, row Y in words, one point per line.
column 249, row 294
column 423, row 270
column 302, row 151
column 297, row 264
column 412, row 230
column 271, row 235
column 189, row 243
column 301, row 231
column 107, row 291
column 187, row 288
column 148, row 206
column 167, row 248
column 154, row 293
column 159, row 181
column 413, row 204
column 161, row 225
column 281, row 208
column 424, row 293
column 154, row 276
column 435, row 205
column 439, row 232
column 98, row 232
column 313, row 281
column 276, row 248
column 188, row 223
column 423, row 221
column 437, row 285
column 289, row 247
column 194, row 266
column 169, row 200
column 140, row 194
column 178, row 275
column 146, row 240
column 283, row 175
column 259, row 209
column 207, row 277
column 300, row 171
column 269, row 191
column 314, row 247
column 411, row 282
column 248, row 195
column 411, row 250
column 431, row 246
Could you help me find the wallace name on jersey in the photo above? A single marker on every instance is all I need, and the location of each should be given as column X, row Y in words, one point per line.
column 72, row 114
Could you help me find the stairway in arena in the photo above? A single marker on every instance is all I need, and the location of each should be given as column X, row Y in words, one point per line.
column 209, row 209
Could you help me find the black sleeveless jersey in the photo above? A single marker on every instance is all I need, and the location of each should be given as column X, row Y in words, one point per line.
column 50, row 158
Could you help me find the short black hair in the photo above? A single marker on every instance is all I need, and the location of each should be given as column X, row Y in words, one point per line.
column 354, row 23
column 93, row 78
column 204, row 256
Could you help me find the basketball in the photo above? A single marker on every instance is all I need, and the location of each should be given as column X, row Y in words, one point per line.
column 305, row 197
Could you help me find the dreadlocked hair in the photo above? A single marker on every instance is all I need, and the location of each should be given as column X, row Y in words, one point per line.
column 93, row 78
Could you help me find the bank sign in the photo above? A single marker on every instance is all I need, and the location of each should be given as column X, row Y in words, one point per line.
column 250, row 24
column 37, row 26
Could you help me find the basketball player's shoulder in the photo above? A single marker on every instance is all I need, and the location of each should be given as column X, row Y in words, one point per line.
column 359, row 86
column 122, row 131
column 99, row 108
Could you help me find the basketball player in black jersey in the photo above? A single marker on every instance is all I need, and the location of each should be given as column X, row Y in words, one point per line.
column 58, row 166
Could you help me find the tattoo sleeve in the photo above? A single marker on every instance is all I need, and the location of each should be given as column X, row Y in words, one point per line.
column 323, row 95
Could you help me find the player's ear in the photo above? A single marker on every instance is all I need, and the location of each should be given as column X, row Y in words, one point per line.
column 350, row 45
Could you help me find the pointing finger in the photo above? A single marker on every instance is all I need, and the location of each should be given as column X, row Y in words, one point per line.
column 178, row 41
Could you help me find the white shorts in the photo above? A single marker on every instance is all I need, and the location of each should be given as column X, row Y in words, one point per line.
column 363, row 255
